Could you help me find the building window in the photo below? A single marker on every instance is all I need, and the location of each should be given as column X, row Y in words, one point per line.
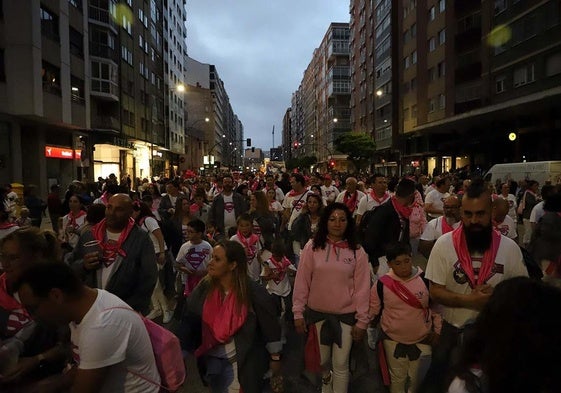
column 51, row 78
column 442, row 37
column 524, row 75
column 413, row 84
column 77, row 89
column 432, row 104
column 127, row 24
column 441, row 101
column 414, row 57
column 441, row 69
column 2, row 66
column 432, row 44
column 76, row 42
column 432, row 74
column 552, row 65
column 500, row 6
column 414, row 111
column 432, row 13
column 407, row 62
column 441, row 5
column 413, row 30
column 500, row 84
column 49, row 24
column 76, row 4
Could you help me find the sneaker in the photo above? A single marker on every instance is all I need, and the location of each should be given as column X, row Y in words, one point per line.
column 154, row 314
column 168, row 315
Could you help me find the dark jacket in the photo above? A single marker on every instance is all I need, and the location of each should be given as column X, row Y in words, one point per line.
column 260, row 331
column 165, row 204
column 268, row 227
column 546, row 238
column 135, row 277
column 384, row 227
column 216, row 213
column 301, row 230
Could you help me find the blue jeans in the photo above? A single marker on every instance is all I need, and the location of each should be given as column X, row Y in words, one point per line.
column 222, row 376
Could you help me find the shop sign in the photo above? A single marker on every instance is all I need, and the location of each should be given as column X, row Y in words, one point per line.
column 62, row 152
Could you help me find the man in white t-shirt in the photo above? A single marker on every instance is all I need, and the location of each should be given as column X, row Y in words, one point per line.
column 434, row 199
column 351, row 196
column 270, row 185
column 328, row 189
column 294, row 200
column 111, row 347
column 511, row 199
column 377, row 196
column 441, row 225
column 463, row 268
column 227, row 206
column 538, row 211
column 501, row 221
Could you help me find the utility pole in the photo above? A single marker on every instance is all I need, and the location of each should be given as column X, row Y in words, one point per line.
column 273, row 136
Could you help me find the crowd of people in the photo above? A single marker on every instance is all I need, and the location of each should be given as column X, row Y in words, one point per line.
column 237, row 261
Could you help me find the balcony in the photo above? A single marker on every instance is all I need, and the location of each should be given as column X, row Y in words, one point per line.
column 106, row 123
column 100, row 15
column 338, row 48
column 339, row 73
column 339, row 87
column 103, row 51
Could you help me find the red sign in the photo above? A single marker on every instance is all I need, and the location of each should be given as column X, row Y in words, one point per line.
column 61, row 152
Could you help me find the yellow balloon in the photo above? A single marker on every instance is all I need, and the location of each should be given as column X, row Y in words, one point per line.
column 500, row 35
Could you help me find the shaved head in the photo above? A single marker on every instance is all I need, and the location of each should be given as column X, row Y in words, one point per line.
column 118, row 211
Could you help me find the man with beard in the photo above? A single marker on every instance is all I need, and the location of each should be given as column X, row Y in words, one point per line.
column 227, row 206
column 464, row 266
column 441, row 225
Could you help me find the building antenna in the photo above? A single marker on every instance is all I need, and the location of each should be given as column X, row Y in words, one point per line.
column 273, row 136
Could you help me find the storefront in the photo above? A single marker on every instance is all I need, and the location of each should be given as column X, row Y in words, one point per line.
column 63, row 164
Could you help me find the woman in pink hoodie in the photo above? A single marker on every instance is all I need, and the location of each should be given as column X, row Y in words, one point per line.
column 409, row 326
column 331, row 288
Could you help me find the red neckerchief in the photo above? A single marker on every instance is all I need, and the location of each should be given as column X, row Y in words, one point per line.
column 384, row 198
column 248, row 244
column 7, row 302
column 352, row 201
column 403, row 211
column 404, row 294
column 221, row 320
column 72, row 218
column 292, row 193
column 7, row 225
column 460, row 245
column 445, row 226
column 342, row 244
column 104, row 198
column 110, row 251
column 280, row 268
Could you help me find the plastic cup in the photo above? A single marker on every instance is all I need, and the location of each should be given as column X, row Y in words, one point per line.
column 93, row 246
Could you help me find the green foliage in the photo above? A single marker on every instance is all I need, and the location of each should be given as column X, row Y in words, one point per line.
column 359, row 147
column 300, row 162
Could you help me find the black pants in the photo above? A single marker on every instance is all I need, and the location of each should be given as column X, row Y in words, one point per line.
column 444, row 358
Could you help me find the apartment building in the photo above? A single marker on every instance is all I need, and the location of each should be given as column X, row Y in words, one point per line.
column 44, row 96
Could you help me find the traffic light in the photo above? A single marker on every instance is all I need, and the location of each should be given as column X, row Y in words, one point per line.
column 332, row 164
column 296, row 144
column 253, row 149
column 248, row 141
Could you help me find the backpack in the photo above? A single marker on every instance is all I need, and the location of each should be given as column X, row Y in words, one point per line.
column 167, row 354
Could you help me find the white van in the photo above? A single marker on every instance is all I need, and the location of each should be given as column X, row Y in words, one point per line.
column 541, row 171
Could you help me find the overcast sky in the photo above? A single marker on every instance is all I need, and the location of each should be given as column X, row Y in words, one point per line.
column 261, row 49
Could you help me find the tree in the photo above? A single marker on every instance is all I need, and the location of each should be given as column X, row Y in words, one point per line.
column 300, row 162
column 359, row 147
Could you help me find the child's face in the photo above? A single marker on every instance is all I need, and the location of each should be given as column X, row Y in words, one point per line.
column 193, row 235
column 402, row 266
column 245, row 227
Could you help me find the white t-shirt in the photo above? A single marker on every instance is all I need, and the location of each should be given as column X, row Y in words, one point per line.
column 275, row 206
column 330, row 192
column 115, row 338
column 508, row 228
column 295, row 203
column 369, row 203
column 150, row 225
column 435, row 198
column 512, row 205
column 253, row 265
column 282, row 287
column 443, row 268
column 433, row 230
column 229, row 213
column 71, row 232
column 106, row 271
column 537, row 213
column 341, row 197
column 195, row 256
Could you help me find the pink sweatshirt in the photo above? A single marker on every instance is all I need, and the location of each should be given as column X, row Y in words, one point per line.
column 400, row 321
column 332, row 281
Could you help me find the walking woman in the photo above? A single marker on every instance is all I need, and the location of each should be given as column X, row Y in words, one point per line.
column 231, row 325
column 72, row 223
column 305, row 225
column 264, row 224
column 175, row 228
column 331, row 295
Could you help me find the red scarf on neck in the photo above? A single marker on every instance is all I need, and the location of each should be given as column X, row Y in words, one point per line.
column 403, row 211
column 7, row 225
column 111, row 250
column 19, row 316
column 351, row 202
column 104, row 198
column 72, row 218
column 460, row 245
column 381, row 200
column 248, row 244
column 7, row 302
column 404, row 294
column 280, row 268
column 221, row 320
column 445, row 226
column 341, row 244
